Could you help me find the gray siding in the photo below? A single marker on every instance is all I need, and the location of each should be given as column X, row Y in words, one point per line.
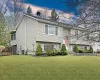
column 30, row 31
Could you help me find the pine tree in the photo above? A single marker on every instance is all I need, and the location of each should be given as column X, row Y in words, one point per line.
column 38, row 50
column 63, row 50
column 29, row 11
column 75, row 49
column 91, row 50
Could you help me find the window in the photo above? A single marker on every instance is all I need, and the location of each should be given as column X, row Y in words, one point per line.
column 48, row 47
column 13, row 36
column 52, row 30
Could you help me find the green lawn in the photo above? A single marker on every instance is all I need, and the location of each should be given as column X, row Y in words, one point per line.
column 50, row 68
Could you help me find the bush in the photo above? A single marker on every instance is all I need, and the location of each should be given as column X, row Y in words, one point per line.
column 81, row 51
column 98, row 52
column 5, row 54
column 91, row 50
column 75, row 49
column 53, row 52
column 49, row 52
column 38, row 50
column 6, row 49
column 63, row 50
column 56, row 52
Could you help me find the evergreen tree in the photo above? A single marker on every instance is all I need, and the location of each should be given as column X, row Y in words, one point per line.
column 63, row 50
column 29, row 11
column 91, row 50
column 75, row 49
column 38, row 50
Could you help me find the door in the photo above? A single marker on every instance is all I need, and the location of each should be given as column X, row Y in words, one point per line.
column 14, row 49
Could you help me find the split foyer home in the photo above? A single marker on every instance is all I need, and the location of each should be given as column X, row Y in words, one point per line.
column 33, row 30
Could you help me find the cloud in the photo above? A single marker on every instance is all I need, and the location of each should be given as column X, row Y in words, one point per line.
column 63, row 17
column 46, row 12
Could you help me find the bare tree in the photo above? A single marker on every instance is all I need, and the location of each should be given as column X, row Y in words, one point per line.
column 89, row 19
column 9, row 18
column 15, row 14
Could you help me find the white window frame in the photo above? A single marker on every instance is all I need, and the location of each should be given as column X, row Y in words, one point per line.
column 49, row 30
column 13, row 36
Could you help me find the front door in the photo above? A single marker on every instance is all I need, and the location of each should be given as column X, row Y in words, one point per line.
column 14, row 49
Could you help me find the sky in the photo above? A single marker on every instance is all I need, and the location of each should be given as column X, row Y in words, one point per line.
column 55, row 4
column 69, row 7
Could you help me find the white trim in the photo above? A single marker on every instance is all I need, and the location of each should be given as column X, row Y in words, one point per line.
column 49, row 30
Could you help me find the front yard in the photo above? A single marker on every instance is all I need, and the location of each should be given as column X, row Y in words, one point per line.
column 49, row 68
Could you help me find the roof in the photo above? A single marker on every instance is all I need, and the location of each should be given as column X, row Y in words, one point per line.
column 52, row 22
column 49, row 21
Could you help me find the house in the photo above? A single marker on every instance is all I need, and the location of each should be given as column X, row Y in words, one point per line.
column 31, row 31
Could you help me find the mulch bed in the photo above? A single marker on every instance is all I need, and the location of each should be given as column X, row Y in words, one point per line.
column 5, row 54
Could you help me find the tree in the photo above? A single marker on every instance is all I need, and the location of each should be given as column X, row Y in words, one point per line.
column 38, row 50
column 89, row 19
column 11, row 20
column 63, row 50
column 2, row 29
column 29, row 11
column 91, row 49
column 54, row 15
column 75, row 49
column 14, row 12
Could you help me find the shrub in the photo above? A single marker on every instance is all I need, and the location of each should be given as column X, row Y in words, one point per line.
column 49, row 52
column 38, row 50
column 75, row 49
column 5, row 54
column 63, row 50
column 2, row 48
column 6, row 51
column 91, row 50
column 56, row 52
column 87, row 51
column 98, row 52
column 81, row 51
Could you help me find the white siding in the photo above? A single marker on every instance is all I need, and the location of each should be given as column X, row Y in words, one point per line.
column 30, row 31
column 20, row 37
column 41, row 36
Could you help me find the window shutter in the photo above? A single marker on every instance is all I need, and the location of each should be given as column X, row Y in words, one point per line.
column 56, row 30
column 46, row 29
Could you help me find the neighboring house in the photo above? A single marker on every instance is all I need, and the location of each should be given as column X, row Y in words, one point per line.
column 35, row 30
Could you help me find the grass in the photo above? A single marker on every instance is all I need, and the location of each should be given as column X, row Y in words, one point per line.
column 50, row 68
